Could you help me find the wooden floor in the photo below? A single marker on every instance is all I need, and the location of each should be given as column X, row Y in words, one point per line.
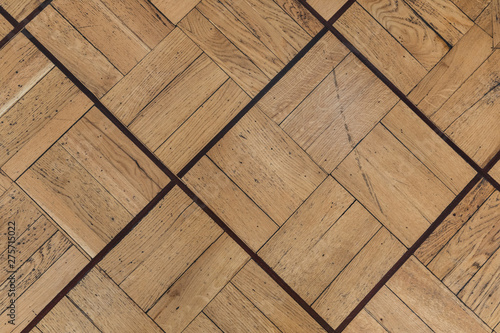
column 250, row 166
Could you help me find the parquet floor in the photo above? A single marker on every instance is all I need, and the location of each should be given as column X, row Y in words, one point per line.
column 250, row 166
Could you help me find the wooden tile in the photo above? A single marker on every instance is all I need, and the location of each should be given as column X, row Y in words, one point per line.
column 410, row 30
column 177, row 102
column 380, row 48
column 105, row 31
column 451, row 72
column 61, row 39
column 39, row 119
column 198, row 285
column 472, row 8
column 301, row 15
column 202, row 324
column 197, row 131
column 393, row 185
column 469, row 249
column 5, row 27
column 495, row 11
column 5, row 182
column 302, row 78
column 22, row 66
column 233, row 312
column 74, row 320
column 229, row 202
column 428, row 147
column 327, row 8
column 239, row 67
column 267, row 165
column 19, row 9
column 339, row 112
column 273, row 301
column 319, row 240
column 175, row 10
column 108, row 307
column 364, row 322
column 170, row 58
column 451, row 224
column 359, row 277
column 446, row 18
column 495, row 172
column 485, row 20
column 432, row 301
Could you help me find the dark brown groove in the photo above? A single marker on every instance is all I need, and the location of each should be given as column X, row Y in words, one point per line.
column 18, row 26
column 176, row 180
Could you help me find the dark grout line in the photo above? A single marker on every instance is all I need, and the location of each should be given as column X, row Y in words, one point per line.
column 18, row 26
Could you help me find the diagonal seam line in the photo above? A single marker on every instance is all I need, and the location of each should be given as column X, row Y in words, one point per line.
column 176, row 181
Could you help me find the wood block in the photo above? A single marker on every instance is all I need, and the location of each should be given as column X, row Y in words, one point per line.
column 198, row 285
column 339, row 113
column 175, row 10
column 19, row 9
column 429, row 299
column 170, row 58
column 5, row 182
column 319, row 240
column 5, row 27
column 239, row 67
column 197, row 131
column 202, row 324
column 108, row 307
column 62, row 40
column 472, row 8
column 301, row 15
column 495, row 172
column 327, row 8
column 485, row 20
column 495, row 11
column 284, row 97
column 380, row 48
column 460, row 215
column 233, row 312
column 359, row 277
column 469, row 249
column 279, row 181
column 74, row 320
column 364, row 322
column 393, row 185
column 230, row 203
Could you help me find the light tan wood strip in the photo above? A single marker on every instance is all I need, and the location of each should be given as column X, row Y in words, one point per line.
column 359, row 277
column 202, row 324
column 224, row 53
column 327, row 8
column 175, row 10
column 66, row 317
column 177, row 102
column 380, row 48
column 5, row 182
column 432, row 301
column 199, row 284
column 5, row 27
column 61, row 39
column 19, row 9
column 22, row 66
column 233, row 206
column 108, row 306
column 280, row 101
column 472, row 8
column 495, row 172
column 277, row 182
column 495, row 11
column 170, row 58
column 202, row 126
column 460, row 215
column 393, row 185
column 233, row 312
column 364, row 322
column 485, row 20
column 301, row 15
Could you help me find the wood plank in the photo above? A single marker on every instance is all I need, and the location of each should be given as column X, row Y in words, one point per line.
column 177, row 102
column 327, row 8
column 114, row 161
column 284, row 97
column 319, row 240
column 301, row 15
column 80, row 205
column 62, row 40
column 142, row 18
column 22, row 66
column 409, row 29
column 108, row 307
column 495, row 10
column 277, row 182
column 224, row 53
column 428, row 147
column 19, row 9
column 393, row 185
column 485, row 21
column 202, row 324
column 339, row 113
column 5, row 27
column 380, row 48
column 495, row 172
column 451, row 72
column 469, row 249
column 432, row 301
column 105, row 31
column 5, row 182
column 170, row 58
column 363, row 322
column 175, row 10
column 459, row 216
column 230, row 203
column 444, row 17
column 233, row 312
column 198, row 285
column 472, row 8
column 273, row 301
column 359, row 277
column 178, row 150
column 74, row 320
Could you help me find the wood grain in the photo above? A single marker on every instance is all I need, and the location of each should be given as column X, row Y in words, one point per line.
column 495, row 11
column 5, row 27
column 364, row 322
column 327, row 8
column 5, row 182
column 301, row 15
column 472, row 8
column 74, row 320
column 202, row 324
column 485, row 20
column 175, row 10
column 495, row 172
column 19, row 9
